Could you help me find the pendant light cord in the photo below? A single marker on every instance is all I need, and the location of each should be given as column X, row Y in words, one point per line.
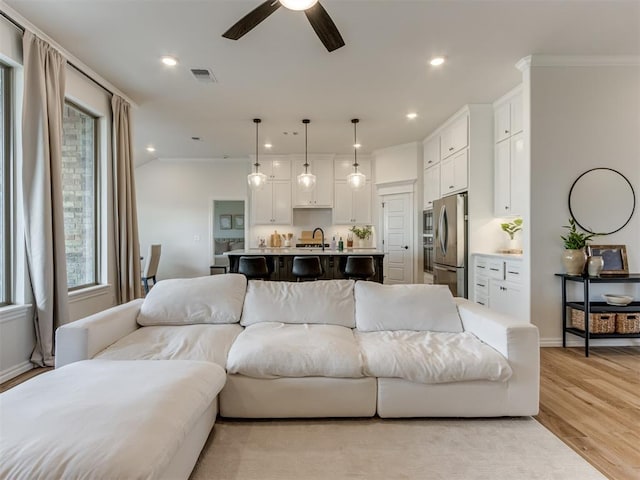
column 306, row 122
column 355, row 142
column 257, row 122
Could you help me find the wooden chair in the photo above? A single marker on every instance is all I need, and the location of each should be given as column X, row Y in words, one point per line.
column 151, row 267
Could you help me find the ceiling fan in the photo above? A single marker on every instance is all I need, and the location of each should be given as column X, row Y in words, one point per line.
column 316, row 14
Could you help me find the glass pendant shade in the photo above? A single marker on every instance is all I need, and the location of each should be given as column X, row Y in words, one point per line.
column 356, row 180
column 306, row 181
column 298, row 4
column 256, row 180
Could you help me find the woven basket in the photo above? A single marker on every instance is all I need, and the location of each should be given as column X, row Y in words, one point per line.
column 628, row 323
column 598, row 322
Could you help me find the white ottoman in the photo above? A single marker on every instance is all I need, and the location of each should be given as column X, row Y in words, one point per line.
column 103, row 419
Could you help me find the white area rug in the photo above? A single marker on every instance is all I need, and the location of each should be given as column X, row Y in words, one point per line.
column 510, row 449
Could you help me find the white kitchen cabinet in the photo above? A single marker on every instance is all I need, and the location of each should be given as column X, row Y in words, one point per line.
column 431, row 185
column 509, row 157
column 509, row 170
column 344, row 166
column 322, row 195
column 455, row 136
column 453, row 173
column 275, row 167
column 498, row 284
column 272, row 204
column 508, row 115
column 352, row 207
column 431, row 151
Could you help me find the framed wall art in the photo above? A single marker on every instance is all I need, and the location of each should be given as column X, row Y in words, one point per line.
column 614, row 257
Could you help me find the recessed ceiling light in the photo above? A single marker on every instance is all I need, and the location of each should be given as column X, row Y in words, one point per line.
column 169, row 61
column 412, row 115
column 356, row 145
column 267, row 145
column 437, row 61
column 150, row 149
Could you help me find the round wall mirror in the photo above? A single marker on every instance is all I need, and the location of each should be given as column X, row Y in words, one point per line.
column 602, row 200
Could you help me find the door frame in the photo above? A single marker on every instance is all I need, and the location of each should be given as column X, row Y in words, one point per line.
column 212, row 213
column 404, row 186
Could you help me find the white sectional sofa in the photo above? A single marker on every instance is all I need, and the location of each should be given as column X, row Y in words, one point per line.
column 331, row 348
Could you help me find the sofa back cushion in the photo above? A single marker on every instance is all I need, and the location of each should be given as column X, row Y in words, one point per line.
column 328, row 302
column 187, row 301
column 405, row 307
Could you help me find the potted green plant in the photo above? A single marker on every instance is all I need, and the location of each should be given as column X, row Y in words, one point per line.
column 363, row 233
column 511, row 228
column 575, row 242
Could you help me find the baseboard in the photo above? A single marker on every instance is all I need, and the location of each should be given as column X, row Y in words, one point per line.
column 593, row 342
column 14, row 371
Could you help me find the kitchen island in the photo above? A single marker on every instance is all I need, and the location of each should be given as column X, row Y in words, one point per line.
column 280, row 261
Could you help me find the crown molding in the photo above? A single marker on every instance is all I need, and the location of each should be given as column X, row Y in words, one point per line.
column 578, row 61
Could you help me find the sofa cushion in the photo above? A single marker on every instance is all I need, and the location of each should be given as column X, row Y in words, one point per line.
column 430, row 357
column 209, row 343
column 183, row 301
column 271, row 350
column 405, row 307
column 321, row 302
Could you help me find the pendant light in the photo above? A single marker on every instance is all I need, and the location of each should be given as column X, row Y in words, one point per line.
column 356, row 180
column 256, row 179
column 306, row 180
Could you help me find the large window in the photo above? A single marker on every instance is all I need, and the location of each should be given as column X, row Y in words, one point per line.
column 79, row 190
column 5, row 155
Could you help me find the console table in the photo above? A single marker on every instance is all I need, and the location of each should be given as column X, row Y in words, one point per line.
column 589, row 307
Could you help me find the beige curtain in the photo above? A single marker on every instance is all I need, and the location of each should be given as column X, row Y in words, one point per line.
column 127, row 247
column 44, row 81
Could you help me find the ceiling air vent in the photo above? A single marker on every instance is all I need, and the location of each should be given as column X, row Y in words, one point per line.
column 203, row 75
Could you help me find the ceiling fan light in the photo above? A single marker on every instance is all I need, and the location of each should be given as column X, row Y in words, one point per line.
column 356, row 180
column 306, row 181
column 298, row 4
column 256, row 180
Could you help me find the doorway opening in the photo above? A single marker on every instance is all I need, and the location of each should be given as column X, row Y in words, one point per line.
column 228, row 232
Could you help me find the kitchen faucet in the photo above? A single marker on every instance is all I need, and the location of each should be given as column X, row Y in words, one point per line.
column 313, row 235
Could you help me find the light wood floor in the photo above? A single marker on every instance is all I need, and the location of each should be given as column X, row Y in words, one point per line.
column 592, row 404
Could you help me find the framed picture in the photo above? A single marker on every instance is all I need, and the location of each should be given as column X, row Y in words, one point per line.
column 238, row 222
column 614, row 257
column 225, row 222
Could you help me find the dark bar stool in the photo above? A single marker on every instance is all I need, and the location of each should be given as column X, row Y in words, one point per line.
column 306, row 268
column 253, row 268
column 360, row 268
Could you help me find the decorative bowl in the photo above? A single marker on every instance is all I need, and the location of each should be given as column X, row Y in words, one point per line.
column 619, row 300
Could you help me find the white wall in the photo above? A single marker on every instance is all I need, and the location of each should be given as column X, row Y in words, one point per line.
column 174, row 209
column 581, row 117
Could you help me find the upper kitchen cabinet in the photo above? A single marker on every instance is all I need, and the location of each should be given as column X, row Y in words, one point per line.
column 454, row 136
column 509, row 160
column 508, row 115
column 276, row 167
column 431, row 151
column 343, row 166
column 322, row 195
column 431, row 185
column 352, row 207
column 454, row 173
column 272, row 204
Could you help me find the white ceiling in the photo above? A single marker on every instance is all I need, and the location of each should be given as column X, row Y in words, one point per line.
column 282, row 73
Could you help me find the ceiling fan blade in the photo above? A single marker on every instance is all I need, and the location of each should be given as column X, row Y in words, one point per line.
column 324, row 27
column 251, row 20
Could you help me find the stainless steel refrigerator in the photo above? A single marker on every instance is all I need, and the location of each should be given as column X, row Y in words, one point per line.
column 450, row 265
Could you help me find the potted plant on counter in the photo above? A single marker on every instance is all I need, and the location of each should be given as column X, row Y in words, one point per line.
column 511, row 228
column 363, row 233
column 575, row 242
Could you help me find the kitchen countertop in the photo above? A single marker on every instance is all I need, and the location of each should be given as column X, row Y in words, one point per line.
column 305, row 251
column 512, row 256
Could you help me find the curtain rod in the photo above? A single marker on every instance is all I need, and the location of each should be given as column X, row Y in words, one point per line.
column 76, row 68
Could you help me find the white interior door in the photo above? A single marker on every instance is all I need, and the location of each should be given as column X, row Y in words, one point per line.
column 398, row 238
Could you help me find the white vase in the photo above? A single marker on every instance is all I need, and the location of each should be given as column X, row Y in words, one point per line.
column 574, row 260
column 361, row 243
column 594, row 265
